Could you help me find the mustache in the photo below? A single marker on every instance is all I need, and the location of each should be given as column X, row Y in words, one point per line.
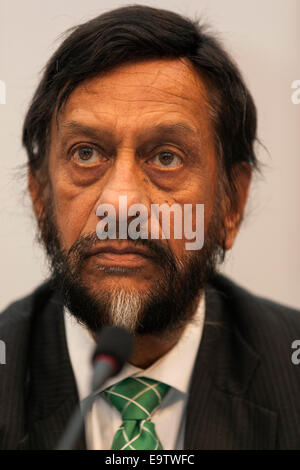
column 160, row 253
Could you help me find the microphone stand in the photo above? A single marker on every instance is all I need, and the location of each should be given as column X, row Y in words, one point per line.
column 102, row 371
column 75, row 426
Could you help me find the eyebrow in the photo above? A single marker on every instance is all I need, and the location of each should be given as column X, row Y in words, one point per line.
column 180, row 129
column 75, row 128
column 177, row 128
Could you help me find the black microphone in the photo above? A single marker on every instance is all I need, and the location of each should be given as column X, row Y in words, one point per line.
column 114, row 347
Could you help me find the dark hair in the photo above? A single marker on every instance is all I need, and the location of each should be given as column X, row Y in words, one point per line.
column 131, row 34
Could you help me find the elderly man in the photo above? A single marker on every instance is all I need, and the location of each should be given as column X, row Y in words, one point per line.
column 142, row 105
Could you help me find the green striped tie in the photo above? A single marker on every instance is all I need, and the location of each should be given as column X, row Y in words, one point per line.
column 136, row 398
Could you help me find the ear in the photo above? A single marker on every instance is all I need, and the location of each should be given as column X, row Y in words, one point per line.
column 233, row 219
column 36, row 194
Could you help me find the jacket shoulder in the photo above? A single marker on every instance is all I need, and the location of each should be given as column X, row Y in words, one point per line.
column 255, row 314
column 20, row 311
column 16, row 324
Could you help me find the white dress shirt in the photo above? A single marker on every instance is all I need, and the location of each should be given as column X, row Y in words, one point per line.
column 174, row 369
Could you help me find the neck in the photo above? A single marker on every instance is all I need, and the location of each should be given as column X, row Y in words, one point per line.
column 149, row 348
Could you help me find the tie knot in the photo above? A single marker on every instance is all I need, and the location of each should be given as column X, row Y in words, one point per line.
column 136, row 397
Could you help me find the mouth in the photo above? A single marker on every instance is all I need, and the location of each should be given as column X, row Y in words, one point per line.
column 121, row 255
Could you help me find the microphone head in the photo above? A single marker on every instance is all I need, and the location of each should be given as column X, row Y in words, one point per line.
column 115, row 342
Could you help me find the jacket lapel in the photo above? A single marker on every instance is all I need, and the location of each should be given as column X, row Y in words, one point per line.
column 219, row 416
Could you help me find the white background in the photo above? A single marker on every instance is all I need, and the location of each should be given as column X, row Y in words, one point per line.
column 264, row 38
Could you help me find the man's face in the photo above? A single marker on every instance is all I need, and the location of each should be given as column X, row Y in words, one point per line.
column 142, row 131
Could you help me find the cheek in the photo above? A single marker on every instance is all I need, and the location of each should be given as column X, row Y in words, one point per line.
column 74, row 211
column 195, row 193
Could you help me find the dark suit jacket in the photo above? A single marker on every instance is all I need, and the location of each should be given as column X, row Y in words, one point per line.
column 244, row 394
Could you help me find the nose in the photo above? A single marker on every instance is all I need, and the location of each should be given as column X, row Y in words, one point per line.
column 125, row 182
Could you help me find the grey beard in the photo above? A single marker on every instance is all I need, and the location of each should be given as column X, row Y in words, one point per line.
column 124, row 308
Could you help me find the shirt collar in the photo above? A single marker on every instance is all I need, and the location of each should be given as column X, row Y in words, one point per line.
column 174, row 368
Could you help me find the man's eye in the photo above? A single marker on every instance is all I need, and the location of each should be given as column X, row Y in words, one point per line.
column 86, row 155
column 167, row 160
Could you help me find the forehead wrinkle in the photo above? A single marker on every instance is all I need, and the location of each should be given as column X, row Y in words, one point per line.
column 94, row 113
column 171, row 68
column 162, row 96
column 101, row 89
column 147, row 100
column 145, row 89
